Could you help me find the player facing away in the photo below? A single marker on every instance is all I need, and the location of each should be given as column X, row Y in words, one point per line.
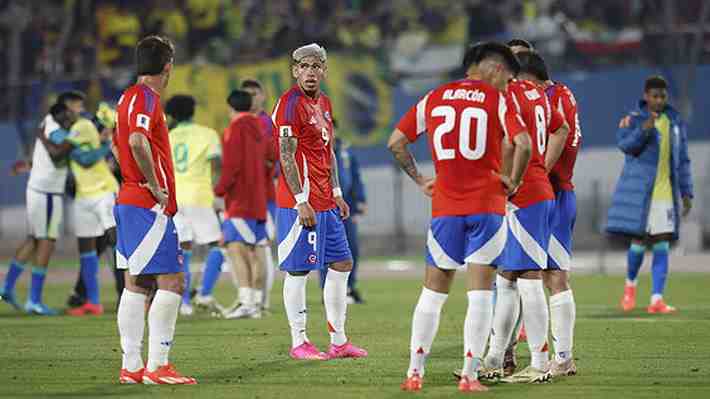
column 45, row 192
column 258, row 97
column 466, row 122
column 196, row 156
column 311, row 209
column 519, row 282
column 147, row 246
column 564, row 215
column 242, row 184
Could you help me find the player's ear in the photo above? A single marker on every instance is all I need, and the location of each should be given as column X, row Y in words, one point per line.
column 325, row 71
column 294, row 70
column 168, row 68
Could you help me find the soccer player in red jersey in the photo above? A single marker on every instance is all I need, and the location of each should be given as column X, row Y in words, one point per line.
column 243, row 184
column 258, row 96
column 529, row 219
column 467, row 122
column 147, row 240
column 556, row 277
column 311, row 208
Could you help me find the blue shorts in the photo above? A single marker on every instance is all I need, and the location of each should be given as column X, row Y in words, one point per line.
column 146, row 241
column 248, row 231
column 563, row 219
column 453, row 241
column 528, row 237
column 305, row 249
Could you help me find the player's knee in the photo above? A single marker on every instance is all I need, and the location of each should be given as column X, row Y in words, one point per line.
column 343, row 266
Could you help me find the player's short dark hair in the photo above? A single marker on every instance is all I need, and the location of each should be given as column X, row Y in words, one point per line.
column 521, row 43
column 71, row 95
column 483, row 50
column 239, row 100
column 57, row 109
column 152, row 54
column 532, row 63
column 655, row 82
column 251, row 83
column 181, row 107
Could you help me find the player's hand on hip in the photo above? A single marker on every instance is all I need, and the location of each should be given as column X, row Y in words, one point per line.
column 160, row 194
column 687, row 205
column 343, row 206
column 306, row 215
column 426, row 184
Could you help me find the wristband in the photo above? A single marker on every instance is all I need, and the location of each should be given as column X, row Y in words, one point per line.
column 301, row 198
column 337, row 192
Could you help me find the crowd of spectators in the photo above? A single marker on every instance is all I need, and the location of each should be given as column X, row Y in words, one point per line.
column 102, row 33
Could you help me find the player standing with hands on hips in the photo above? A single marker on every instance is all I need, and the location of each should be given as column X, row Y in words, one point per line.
column 657, row 173
column 147, row 241
column 310, row 230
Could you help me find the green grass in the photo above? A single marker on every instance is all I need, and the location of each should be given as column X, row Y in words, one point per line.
column 629, row 356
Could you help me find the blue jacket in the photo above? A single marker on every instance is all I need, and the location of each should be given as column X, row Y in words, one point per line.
column 349, row 174
column 631, row 201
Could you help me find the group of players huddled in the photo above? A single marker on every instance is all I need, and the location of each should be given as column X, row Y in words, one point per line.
column 504, row 141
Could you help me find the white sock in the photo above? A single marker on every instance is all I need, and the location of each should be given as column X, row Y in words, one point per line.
column 161, row 327
column 425, row 324
column 270, row 274
column 655, row 298
column 476, row 328
column 131, row 325
column 295, row 304
column 245, row 296
column 562, row 316
column 536, row 319
column 507, row 309
column 335, row 292
column 256, row 297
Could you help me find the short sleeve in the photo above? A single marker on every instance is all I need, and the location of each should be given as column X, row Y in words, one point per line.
column 509, row 117
column 413, row 123
column 141, row 111
column 286, row 115
column 58, row 136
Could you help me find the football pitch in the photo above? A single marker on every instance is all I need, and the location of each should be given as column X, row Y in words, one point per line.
column 618, row 355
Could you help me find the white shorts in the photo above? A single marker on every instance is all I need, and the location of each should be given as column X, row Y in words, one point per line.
column 93, row 216
column 44, row 214
column 197, row 224
column 661, row 218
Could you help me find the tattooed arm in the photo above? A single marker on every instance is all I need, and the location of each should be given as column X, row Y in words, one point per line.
column 397, row 144
column 289, row 168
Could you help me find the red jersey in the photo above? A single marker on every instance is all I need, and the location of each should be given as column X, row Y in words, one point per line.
column 541, row 119
column 308, row 120
column 268, row 128
column 465, row 122
column 139, row 111
column 243, row 180
column 562, row 99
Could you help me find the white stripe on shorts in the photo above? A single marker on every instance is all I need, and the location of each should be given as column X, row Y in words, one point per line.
column 286, row 246
column 244, row 230
column 492, row 249
column 559, row 254
column 441, row 259
column 150, row 243
column 530, row 246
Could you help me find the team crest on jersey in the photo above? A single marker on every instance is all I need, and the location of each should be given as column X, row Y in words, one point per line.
column 285, row 131
column 326, row 115
column 312, row 259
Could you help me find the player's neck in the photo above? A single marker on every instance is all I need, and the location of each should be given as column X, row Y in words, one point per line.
column 313, row 94
column 154, row 82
